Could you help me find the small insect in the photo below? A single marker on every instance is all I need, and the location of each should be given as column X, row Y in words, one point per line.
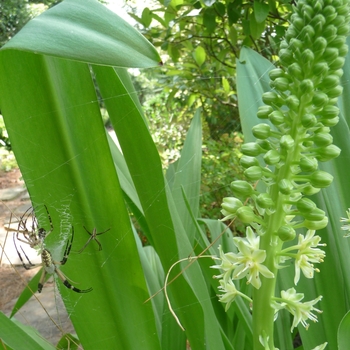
column 93, row 235
column 35, row 237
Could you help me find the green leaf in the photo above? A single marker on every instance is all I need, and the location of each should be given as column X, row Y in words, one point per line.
column 199, row 55
column 343, row 332
column 226, row 85
column 146, row 17
column 68, row 173
column 209, row 19
column 261, row 11
column 85, row 31
column 14, row 335
column 256, row 28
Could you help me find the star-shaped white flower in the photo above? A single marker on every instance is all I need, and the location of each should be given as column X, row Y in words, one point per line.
column 291, row 301
column 307, row 254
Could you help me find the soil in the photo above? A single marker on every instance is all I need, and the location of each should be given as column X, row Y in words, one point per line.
column 10, row 284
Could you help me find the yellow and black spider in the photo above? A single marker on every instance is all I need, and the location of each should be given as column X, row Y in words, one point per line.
column 35, row 238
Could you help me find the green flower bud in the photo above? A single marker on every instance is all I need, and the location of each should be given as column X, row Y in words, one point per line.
column 329, row 13
column 316, row 225
column 242, row 188
column 319, row 99
column 320, row 179
column 343, row 29
column 264, row 111
column 286, row 57
column 335, row 92
column 307, row 86
column 338, row 42
column 285, row 187
column 272, row 157
column 297, row 22
column 307, row 31
column 246, row 215
column 314, row 215
column 264, row 144
column 307, row 56
column 308, row 164
column 327, row 153
column 343, row 50
column 295, row 71
column 251, row 149
column 286, row 142
column 309, row 190
column 254, row 173
column 292, row 102
column 323, row 139
column 319, row 46
column 276, row 118
column 305, row 205
column 330, row 112
column 286, row 233
column 343, row 10
column 320, row 69
column 295, row 44
column 337, row 63
column 308, row 120
column 271, row 98
column 338, row 21
column 280, row 84
column 261, row 131
column 330, row 122
column 231, row 204
column 330, row 81
column 264, row 201
column 330, row 54
column 247, row 161
column 329, row 32
column 276, row 73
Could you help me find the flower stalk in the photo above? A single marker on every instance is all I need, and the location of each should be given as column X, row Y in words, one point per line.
column 299, row 111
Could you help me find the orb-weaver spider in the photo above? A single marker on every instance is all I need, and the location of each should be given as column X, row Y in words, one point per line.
column 35, row 237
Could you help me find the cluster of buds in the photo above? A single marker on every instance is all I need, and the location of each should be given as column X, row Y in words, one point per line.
column 299, row 111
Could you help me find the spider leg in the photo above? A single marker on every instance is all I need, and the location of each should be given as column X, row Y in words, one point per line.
column 66, row 283
column 68, row 248
column 42, row 280
column 27, row 267
column 93, row 235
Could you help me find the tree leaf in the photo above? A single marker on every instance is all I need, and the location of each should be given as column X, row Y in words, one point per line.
column 261, row 11
column 199, row 55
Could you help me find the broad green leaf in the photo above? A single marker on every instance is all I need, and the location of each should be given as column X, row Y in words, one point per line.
column 261, row 11
column 85, row 31
column 15, row 335
column 252, row 81
column 65, row 170
column 343, row 333
column 199, row 55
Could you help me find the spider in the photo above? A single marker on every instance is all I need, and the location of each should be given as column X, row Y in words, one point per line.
column 35, row 237
column 93, row 235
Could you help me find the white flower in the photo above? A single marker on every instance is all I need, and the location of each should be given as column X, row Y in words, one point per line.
column 346, row 227
column 247, row 262
column 291, row 301
column 307, row 254
column 230, row 292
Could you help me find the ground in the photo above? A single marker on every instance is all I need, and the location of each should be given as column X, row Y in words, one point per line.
column 10, row 283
